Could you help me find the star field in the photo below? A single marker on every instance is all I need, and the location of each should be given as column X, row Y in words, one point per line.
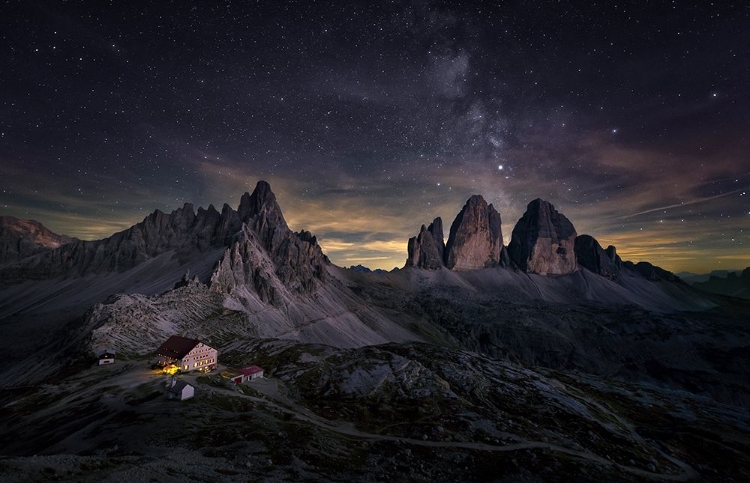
column 370, row 119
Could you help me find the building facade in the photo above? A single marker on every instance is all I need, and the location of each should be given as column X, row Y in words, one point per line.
column 106, row 356
column 180, row 390
column 187, row 354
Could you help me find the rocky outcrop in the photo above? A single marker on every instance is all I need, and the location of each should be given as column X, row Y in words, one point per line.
column 543, row 241
column 591, row 255
column 246, row 265
column 266, row 253
column 21, row 238
column 262, row 213
column 611, row 252
column 427, row 249
column 476, row 238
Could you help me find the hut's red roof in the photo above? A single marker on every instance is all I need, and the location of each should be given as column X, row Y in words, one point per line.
column 249, row 371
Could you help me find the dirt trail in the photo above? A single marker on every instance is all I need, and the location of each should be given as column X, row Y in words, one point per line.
column 269, row 388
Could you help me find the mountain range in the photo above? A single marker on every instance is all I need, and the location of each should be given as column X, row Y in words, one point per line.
column 550, row 299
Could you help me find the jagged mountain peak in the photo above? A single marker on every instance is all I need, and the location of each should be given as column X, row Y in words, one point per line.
column 261, row 200
column 262, row 213
column 591, row 255
column 426, row 250
column 543, row 241
column 476, row 238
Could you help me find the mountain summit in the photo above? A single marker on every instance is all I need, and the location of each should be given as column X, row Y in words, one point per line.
column 427, row 249
column 543, row 241
column 475, row 240
column 476, row 237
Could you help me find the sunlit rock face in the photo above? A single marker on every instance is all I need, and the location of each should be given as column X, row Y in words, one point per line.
column 543, row 241
column 22, row 238
column 476, row 238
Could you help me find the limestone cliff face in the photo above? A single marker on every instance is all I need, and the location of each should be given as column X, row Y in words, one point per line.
column 21, row 238
column 476, row 237
column 427, row 249
column 297, row 266
column 543, row 241
column 262, row 213
column 591, row 255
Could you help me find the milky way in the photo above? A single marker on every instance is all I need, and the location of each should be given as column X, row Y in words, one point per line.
column 369, row 120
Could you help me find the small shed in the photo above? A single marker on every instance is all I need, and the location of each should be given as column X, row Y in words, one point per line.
column 106, row 356
column 180, row 390
column 248, row 374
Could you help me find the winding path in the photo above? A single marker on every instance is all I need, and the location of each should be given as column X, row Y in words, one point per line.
column 269, row 388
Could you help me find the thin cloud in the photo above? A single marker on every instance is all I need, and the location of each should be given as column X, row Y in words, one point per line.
column 679, row 205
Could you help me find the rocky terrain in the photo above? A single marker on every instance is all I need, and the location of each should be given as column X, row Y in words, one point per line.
column 551, row 358
column 399, row 411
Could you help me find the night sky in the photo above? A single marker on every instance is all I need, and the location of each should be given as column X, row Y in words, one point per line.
column 632, row 118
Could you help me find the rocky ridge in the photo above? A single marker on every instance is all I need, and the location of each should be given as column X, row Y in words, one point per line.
column 543, row 242
column 591, row 255
column 297, row 257
column 20, row 239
